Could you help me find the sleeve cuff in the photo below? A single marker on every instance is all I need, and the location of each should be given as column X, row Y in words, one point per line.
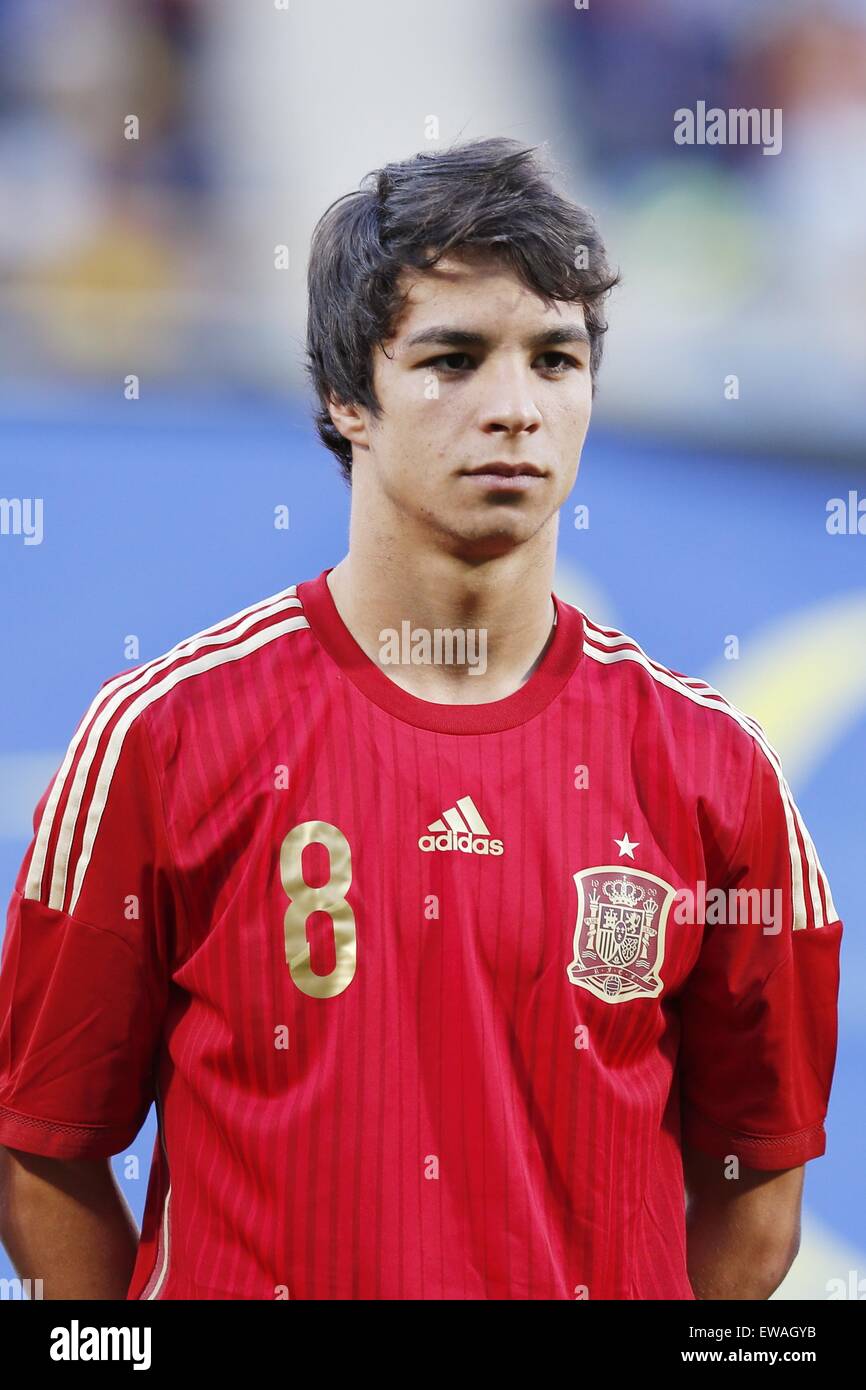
column 767, row 1152
column 55, row 1139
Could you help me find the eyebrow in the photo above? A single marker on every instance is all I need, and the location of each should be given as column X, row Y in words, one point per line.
column 460, row 337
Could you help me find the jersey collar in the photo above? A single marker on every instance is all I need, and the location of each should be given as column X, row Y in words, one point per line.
column 554, row 670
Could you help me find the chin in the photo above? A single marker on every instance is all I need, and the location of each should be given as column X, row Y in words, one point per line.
column 489, row 542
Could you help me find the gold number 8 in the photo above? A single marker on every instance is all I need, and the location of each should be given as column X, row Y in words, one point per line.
column 329, row 898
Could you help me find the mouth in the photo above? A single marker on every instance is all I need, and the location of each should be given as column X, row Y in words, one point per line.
column 507, row 470
column 512, row 477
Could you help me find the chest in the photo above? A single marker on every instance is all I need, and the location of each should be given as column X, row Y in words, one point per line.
column 363, row 867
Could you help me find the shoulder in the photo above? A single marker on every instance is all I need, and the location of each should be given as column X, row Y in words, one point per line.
column 136, row 727
column 146, row 726
column 681, row 705
column 720, row 756
column 233, row 657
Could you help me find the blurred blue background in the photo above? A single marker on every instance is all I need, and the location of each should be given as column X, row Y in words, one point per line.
column 707, row 514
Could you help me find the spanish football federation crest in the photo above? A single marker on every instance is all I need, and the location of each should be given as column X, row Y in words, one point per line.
column 619, row 935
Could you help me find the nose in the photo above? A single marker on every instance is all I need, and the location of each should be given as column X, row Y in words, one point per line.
column 508, row 398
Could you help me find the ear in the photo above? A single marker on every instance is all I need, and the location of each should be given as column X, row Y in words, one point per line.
column 350, row 422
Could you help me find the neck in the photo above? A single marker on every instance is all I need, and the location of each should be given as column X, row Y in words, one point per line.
column 390, row 596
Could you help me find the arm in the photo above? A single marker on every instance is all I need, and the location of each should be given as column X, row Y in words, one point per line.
column 84, row 980
column 758, row 1039
column 742, row 1233
column 64, row 1221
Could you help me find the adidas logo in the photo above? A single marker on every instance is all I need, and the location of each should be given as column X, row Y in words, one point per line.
column 460, row 828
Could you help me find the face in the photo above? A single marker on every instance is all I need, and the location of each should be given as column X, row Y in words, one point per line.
column 486, row 398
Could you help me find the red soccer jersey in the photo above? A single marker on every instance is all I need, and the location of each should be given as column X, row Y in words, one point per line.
column 413, row 985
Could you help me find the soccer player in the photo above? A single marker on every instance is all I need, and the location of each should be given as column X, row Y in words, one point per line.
column 467, row 951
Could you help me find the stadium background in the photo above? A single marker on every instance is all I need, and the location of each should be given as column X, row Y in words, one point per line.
column 156, row 257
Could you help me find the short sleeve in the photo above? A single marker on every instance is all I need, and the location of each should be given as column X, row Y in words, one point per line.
column 759, row 1009
column 86, row 956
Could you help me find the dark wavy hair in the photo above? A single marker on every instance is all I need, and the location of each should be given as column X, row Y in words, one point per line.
column 494, row 195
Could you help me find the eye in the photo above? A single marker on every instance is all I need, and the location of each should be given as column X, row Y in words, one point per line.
column 450, row 362
column 562, row 362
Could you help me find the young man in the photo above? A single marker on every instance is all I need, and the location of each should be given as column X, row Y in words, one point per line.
column 403, row 948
